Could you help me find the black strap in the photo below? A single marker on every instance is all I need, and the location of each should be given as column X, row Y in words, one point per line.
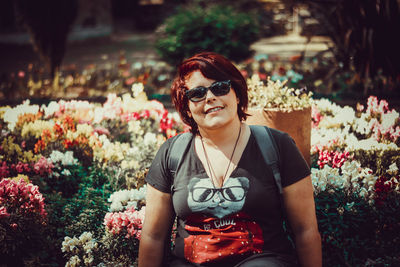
column 177, row 150
column 268, row 149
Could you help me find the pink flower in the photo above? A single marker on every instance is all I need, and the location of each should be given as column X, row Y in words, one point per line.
column 21, row 197
column 43, row 166
column 315, row 116
column 21, row 167
column 335, row 159
column 130, row 116
column 130, row 220
column 4, row 171
column 101, row 130
column 3, row 212
column 21, row 74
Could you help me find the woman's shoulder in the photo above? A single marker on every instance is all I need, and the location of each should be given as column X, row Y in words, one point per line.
column 177, row 144
column 277, row 135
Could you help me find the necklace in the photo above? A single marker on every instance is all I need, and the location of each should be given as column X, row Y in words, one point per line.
column 211, row 170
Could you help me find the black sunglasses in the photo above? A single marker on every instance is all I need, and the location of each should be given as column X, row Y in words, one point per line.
column 217, row 88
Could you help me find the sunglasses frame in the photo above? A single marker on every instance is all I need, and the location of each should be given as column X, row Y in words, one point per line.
column 217, row 88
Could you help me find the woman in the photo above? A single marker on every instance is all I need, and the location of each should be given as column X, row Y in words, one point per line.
column 226, row 201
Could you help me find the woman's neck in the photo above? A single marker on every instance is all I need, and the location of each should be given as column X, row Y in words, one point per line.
column 222, row 135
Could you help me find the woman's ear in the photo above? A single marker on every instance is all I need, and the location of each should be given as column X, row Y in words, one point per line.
column 237, row 100
column 189, row 114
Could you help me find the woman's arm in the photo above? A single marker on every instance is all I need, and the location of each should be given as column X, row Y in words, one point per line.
column 300, row 210
column 156, row 227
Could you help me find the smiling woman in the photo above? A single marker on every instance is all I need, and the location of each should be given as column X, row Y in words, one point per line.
column 214, row 68
column 223, row 194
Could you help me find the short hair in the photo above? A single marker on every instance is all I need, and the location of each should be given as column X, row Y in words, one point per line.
column 215, row 67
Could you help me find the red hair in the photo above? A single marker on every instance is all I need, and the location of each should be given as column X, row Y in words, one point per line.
column 215, row 67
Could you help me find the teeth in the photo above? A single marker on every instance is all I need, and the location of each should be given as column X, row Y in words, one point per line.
column 214, row 109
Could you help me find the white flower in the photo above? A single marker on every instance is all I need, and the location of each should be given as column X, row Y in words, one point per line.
column 149, row 139
column 126, row 198
column 52, row 108
column 137, row 88
column 65, row 172
column 370, row 144
column 73, row 261
column 276, row 95
column 393, row 169
column 11, row 114
column 65, row 159
column 389, row 119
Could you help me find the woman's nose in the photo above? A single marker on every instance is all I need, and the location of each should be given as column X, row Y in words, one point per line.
column 209, row 96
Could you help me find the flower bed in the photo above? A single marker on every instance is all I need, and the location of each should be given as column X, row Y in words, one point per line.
column 84, row 164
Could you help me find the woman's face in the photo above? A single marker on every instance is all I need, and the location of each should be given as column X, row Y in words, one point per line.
column 214, row 111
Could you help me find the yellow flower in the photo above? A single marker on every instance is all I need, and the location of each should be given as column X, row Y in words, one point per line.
column 35, row 129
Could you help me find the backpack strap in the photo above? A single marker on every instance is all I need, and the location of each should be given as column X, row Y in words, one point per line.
column 177, row 151
column 269, row 151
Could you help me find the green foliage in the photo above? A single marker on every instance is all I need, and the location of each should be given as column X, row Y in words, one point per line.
column 217, row 28
column 21, row 238
column 67, row 181
column 355, row 231
column 119, row 249
column 85, row 212
column 377, row 160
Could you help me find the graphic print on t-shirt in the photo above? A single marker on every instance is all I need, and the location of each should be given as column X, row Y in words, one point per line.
column 217, row 228
column 218, row 202
column 212, row 239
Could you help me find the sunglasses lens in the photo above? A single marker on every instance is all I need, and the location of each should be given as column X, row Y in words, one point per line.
column 220, row 88
column 199, row 93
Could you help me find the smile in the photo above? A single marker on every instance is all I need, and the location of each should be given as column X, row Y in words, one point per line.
column 213, row 110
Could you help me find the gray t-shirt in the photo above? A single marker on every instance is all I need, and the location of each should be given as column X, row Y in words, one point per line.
column 242, row 218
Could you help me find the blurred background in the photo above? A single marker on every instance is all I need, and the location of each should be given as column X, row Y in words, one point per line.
column 341, row 50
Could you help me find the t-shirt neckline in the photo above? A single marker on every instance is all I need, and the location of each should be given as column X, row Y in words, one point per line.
column 201, row 167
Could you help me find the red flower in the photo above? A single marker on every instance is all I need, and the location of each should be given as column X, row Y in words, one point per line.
column 145, row 114
column 68, row 143
column 383, row 187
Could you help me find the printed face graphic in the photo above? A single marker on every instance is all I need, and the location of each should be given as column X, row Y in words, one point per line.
column 218, row 202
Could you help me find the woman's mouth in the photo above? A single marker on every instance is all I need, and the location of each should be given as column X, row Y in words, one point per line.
column 211, row 110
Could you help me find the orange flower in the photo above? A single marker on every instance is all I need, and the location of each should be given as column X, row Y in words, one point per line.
column 68, row 123
column 46, row 135
column 40, row 146
column 58, row 130
column 81, row 140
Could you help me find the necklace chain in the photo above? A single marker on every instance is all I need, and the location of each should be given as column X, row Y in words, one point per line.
column 211, row 170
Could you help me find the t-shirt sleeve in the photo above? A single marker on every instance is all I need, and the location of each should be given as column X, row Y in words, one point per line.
column 159, row 175
column 293, row 166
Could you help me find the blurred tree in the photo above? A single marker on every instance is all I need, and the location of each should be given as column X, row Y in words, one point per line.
column 48, row 23
column 198, row 27
column 364, row 36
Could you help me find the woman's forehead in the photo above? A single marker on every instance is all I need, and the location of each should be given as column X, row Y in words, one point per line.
column 196, row 78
